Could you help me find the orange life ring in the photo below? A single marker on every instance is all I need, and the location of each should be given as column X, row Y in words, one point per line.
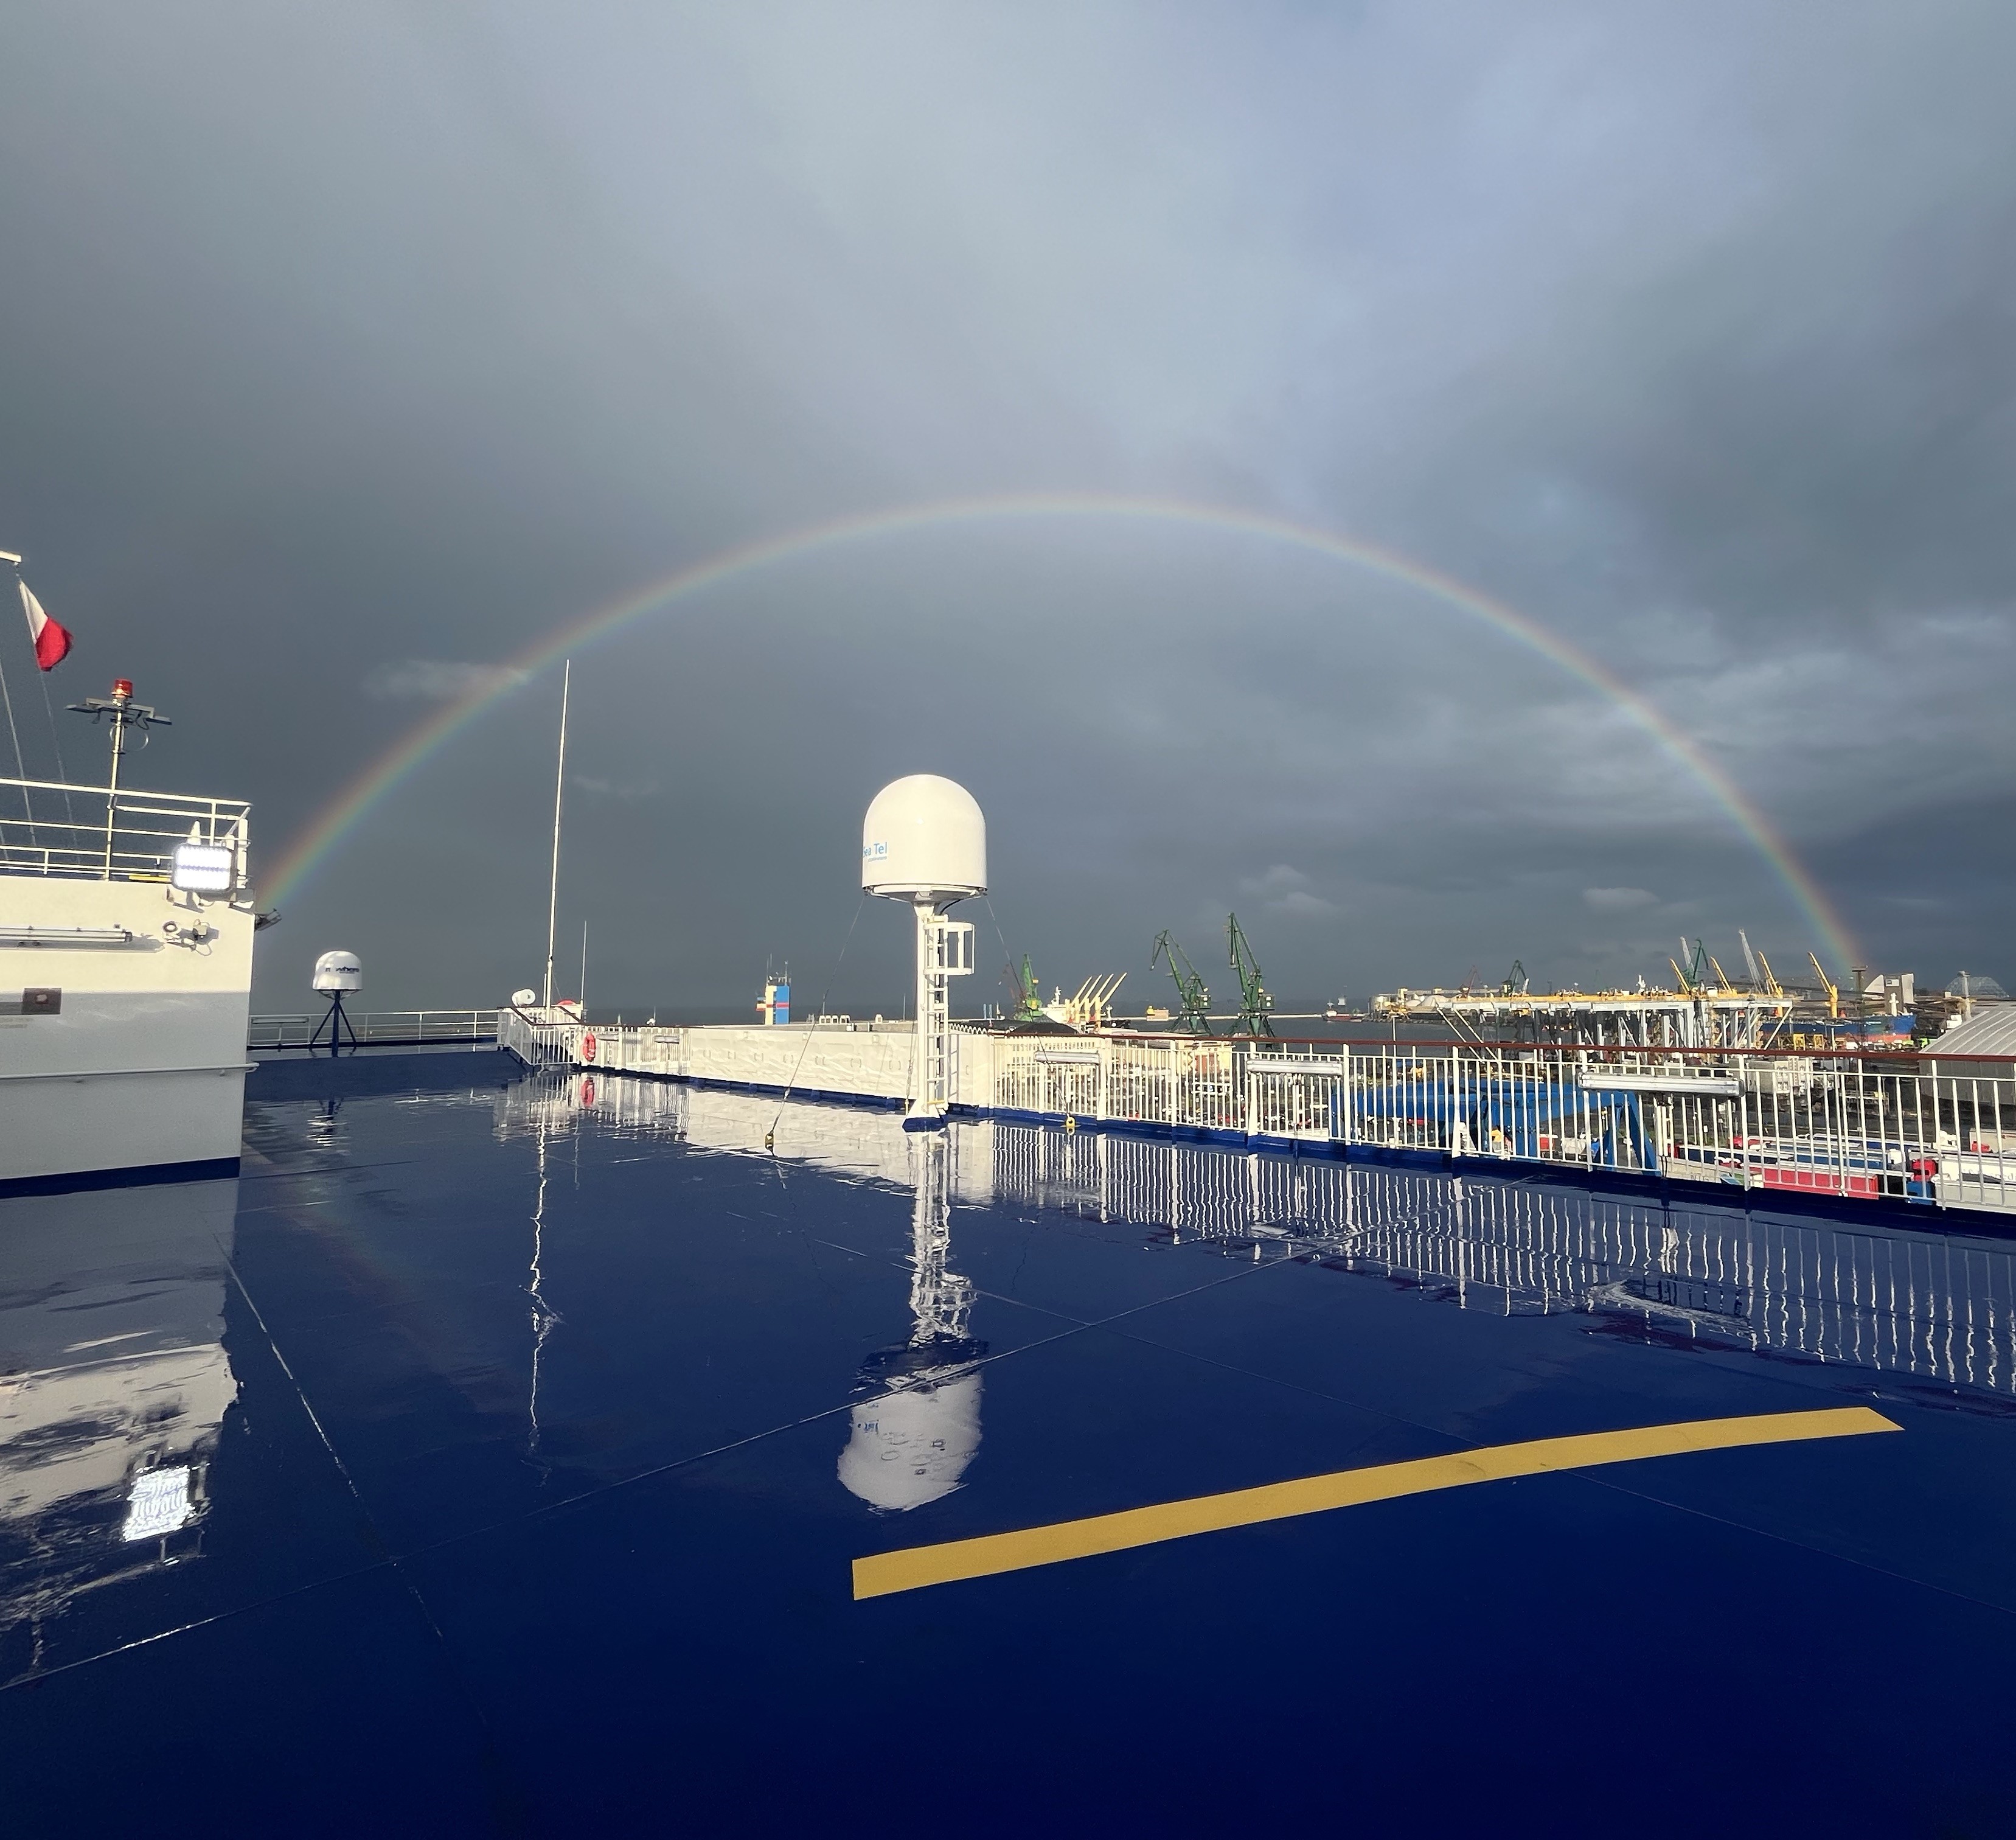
column 587, row 1046
column 587, row 1090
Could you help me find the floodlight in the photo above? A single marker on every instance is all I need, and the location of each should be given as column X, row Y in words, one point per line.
column 204, row 868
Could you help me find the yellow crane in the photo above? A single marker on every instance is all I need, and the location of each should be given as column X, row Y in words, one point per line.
column 1827, row 985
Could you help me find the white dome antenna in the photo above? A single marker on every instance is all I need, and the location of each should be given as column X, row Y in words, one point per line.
column 924, row 841
column 337, row 974
column 336, row 971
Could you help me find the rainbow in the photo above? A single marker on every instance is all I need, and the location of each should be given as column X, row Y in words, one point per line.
column 327, row 831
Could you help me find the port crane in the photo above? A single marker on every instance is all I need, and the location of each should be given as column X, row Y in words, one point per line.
column 1255, row 1006
column 1192, row 998
column 1092, row 1006
column 1827, row 984
column 1700, row 968
column 1028, row 1004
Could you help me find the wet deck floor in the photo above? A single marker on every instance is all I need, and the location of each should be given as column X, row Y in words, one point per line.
column 500, row 1461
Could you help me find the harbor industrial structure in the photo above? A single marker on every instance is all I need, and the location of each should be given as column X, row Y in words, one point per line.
column 1703, row 1007
column 1716, row 1018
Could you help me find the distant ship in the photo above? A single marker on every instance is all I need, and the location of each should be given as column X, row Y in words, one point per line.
column 126, row 922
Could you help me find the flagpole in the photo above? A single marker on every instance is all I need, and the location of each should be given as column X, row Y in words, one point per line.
column 33, row 608
column 560, row 786
column 14, row 734
column 112, row 791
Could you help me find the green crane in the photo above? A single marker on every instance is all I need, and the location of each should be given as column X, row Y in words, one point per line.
column 1193, row 999
column 1028, row 1006
column 1255, row 1006
column 1694, row 976
column 1516, row 981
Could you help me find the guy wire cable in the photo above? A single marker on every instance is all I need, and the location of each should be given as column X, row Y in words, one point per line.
column 770, row 1136
column 1007, row 956
column 56, row 741
column 21, row 767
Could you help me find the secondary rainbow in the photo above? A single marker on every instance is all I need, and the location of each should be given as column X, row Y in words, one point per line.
column 325, row 832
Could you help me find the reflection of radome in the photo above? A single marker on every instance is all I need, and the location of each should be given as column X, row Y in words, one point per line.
column 912, row 1447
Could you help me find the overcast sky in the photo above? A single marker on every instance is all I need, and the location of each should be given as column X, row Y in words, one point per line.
column 342, row 349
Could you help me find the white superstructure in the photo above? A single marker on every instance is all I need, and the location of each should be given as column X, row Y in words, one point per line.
column 126, row 926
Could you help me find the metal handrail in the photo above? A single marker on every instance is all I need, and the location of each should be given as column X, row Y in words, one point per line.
column 44, row 839
column 382, row 1028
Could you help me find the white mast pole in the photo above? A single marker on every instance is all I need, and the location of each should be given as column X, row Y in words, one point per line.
column 560, row 786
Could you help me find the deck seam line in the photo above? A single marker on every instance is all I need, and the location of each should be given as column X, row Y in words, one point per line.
column 199, row 1623
column 449, row 1657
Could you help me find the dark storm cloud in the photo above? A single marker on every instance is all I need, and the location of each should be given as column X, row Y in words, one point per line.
column 347, row 354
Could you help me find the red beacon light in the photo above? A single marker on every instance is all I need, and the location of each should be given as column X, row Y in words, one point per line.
column 125, row 713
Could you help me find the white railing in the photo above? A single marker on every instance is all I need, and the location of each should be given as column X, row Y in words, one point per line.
column 1180, row 1082
column 1911, row 1128
column 534, row 1040
column 47, row 828
column 378, row 1027
column 1908, row 1127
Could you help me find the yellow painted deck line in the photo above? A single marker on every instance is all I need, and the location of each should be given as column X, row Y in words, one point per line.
column 880, row 1574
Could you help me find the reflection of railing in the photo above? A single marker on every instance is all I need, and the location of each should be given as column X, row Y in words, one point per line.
column 1901, row 1301
column 380, row 1028
column 47, row 828
column 1725, row 1270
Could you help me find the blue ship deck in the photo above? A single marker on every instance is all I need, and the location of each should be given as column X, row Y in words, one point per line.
column 501, row 1460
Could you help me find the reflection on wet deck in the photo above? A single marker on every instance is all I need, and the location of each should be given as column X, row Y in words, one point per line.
column 1934, row 1305
column 560, row 1446
column 115, row 1388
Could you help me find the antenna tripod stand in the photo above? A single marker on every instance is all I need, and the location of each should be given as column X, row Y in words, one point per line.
column 338, row 1025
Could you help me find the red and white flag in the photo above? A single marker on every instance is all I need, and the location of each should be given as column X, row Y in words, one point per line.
column 51, row 641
